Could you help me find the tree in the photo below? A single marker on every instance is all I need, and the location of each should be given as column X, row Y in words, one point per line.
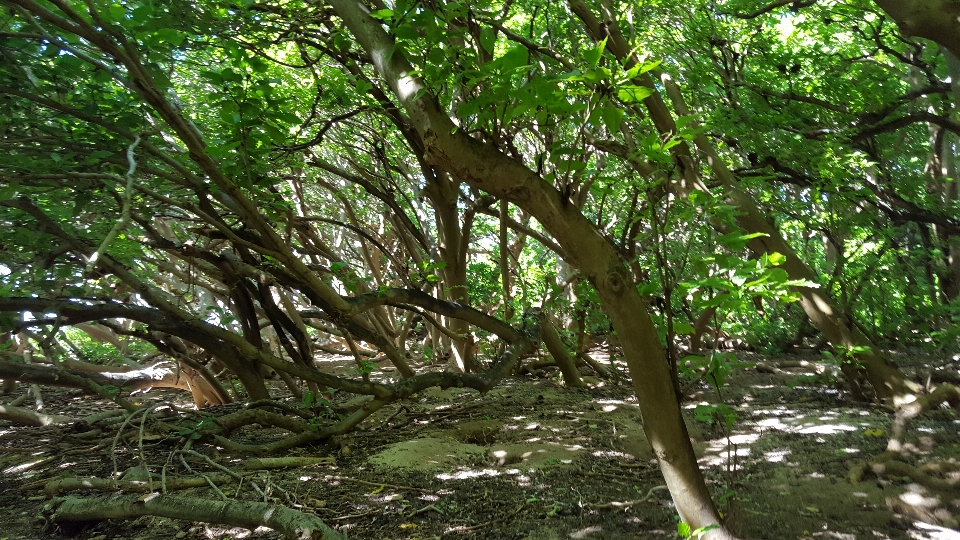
column 251, row 184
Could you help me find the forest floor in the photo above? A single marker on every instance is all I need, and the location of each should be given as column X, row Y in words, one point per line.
column 531, row 459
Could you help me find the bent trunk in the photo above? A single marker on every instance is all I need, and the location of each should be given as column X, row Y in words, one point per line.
column 485, row 167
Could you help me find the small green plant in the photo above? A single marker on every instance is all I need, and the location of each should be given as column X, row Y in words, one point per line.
column 313, row 398
column 113, row 392
column 684, row 531
column 348, row 276
column 723, row 414
column 366, row 367
column 848, row 355
column 196, row 431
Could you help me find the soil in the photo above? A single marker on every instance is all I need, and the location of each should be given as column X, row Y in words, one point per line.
column 530, row 459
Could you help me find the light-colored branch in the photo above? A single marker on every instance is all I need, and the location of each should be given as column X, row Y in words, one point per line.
column 127, row 197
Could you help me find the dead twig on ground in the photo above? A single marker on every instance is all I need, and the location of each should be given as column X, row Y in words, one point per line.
column 426, row 508
column 624, row 504
column 458, row 530
column 375, row 484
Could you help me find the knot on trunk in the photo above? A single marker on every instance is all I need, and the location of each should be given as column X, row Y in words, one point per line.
column 615, row 281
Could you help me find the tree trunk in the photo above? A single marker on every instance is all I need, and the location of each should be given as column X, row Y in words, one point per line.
column 485, row 167
column 558, row 350
column 505, row 260
column 444, row 192
column 123, row 381
column 936, row 20
column 950, row 191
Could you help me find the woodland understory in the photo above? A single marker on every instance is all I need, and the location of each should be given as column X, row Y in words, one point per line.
column 305, row 220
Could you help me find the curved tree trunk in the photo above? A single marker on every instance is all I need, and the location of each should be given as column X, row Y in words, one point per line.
column 484, row 167
column 122, row 381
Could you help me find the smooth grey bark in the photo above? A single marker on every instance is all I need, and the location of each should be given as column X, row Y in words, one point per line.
column 486, row 168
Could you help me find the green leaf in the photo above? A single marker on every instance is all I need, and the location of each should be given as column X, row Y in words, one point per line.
column 736, row 240
column 382, row 14
column 612, row 118
column 594, row 54
column 9, row 191
column 488, row 39
column 171, row 36
column 630, row 93
column 778, row 275
column 363, row 86
column 142, row 14
column 775, row 259
column 514, row 58
column 683, row 328
column 117, row 12
column 642, row 68
column 83, row 198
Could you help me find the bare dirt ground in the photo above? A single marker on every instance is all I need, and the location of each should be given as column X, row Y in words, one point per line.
column 531, row 459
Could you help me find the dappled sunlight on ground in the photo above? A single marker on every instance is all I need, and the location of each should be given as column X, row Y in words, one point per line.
column 926, row 531
column 792, row 421
column 537, row 460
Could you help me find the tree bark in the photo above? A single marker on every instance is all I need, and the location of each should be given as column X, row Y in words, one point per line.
column 936, row 20
column 486, row 168
column 558, row 350
column 26, row 417
column 127, row 381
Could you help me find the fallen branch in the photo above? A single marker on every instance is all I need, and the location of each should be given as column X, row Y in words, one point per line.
column 456, row 530
column 890, row 461
column 624, row 504
column 57, row 487
column 291, row 523
column 260, row 464
column 597, row 368
column 375, row 484
column 778, row 367
column 27, row 417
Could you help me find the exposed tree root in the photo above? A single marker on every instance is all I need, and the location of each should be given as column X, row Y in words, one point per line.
column 926, row 509
column 57, row 487
column 891, row 461
column 291, row 523
column 621, row 505
column 923, row 474
column 290, row 462
column 145, row 485
column 126, row 377
column 777, row 368
column 597, row 368
column 32, row 418
column 906, row 412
